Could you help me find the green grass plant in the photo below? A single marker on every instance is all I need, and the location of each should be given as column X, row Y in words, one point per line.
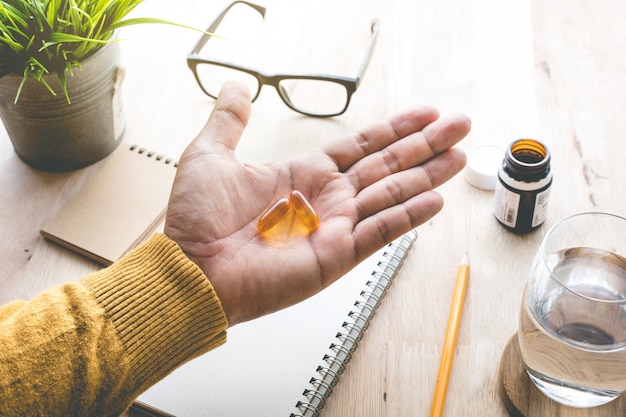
column 39, row 37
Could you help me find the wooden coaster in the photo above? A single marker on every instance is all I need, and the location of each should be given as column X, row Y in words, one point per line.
column 523, row 399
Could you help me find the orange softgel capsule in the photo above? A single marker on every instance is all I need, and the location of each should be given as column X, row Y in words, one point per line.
column 304, row 210
column 274, row 214
column 283, row 211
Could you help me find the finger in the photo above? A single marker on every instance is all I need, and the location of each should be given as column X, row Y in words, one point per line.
column 402, row 186
column 410, row 151
column 348, row 151
column 375, row 231
column 228, row 118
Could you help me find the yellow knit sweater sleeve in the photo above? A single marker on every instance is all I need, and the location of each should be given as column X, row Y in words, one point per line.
column 88, row 348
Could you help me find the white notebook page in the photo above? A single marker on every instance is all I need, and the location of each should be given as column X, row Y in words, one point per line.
column 267, row 363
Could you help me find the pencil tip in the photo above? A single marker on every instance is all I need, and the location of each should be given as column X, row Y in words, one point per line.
column 465, row 260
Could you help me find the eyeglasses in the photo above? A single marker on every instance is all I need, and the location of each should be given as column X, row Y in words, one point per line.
column 310, row 94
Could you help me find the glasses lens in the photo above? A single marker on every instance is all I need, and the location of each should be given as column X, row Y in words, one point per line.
column 315, row 97
column 212, row 77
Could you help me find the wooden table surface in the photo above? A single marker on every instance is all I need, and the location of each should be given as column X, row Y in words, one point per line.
column 551, row 70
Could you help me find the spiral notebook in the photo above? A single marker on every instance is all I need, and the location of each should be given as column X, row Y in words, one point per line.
column 118, row 208
column 287, row 363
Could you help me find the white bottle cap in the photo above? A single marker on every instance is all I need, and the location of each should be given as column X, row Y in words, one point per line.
column 483, row 163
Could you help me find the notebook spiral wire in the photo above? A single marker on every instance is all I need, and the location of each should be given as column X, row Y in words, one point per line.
column 150, row 154
column 348, row 338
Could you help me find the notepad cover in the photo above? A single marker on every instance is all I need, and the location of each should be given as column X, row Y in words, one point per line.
column 120, row 206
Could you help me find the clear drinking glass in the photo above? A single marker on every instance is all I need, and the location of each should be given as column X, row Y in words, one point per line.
column 573, row 323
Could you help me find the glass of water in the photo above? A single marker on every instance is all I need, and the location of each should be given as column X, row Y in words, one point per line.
column 573, row 323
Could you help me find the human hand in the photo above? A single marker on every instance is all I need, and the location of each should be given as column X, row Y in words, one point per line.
column 368, row 189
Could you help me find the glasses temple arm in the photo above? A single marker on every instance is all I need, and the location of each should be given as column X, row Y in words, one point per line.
column 211, row 29
column 370, row 49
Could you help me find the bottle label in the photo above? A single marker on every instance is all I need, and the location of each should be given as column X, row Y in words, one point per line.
column 507, row 205
column 541, row 207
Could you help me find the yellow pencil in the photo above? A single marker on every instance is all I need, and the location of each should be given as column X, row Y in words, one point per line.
column 452, row 331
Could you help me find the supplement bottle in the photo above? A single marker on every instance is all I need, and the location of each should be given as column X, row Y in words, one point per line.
column 523, row 186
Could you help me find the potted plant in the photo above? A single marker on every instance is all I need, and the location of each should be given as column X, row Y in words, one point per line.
column 60, row 78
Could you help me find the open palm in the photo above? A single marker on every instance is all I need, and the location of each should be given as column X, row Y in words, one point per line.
column 368, row 189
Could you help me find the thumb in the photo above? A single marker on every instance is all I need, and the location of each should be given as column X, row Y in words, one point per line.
column 229, row 116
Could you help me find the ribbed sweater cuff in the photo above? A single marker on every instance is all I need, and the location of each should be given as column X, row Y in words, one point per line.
column 163, row 307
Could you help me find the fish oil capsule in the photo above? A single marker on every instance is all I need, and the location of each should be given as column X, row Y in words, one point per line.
column 304, row 210
column 274, row 215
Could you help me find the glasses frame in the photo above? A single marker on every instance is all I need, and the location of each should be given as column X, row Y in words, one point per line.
column 351, row 84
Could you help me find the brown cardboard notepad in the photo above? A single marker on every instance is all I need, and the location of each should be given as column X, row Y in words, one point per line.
column 118, row 208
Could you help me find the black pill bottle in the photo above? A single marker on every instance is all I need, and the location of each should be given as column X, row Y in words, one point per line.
column 523, row 187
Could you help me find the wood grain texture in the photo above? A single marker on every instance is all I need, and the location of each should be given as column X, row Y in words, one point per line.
column 552, row 70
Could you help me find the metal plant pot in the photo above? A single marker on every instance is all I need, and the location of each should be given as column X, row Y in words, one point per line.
column 51, row 135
